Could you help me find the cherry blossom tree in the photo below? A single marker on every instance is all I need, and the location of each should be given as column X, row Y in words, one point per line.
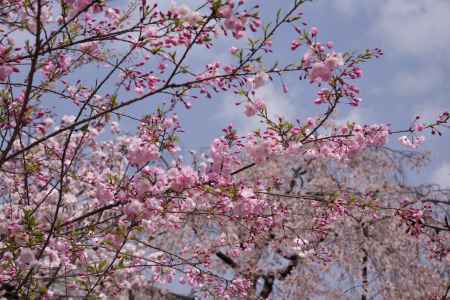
column 364, row 243
column 89, row 210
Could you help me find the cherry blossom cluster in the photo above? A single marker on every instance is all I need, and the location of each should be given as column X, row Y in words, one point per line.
column 90, row 208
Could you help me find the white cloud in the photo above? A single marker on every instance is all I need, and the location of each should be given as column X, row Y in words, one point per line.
column 277, row 104
column 408, row 29
column 418, row 82
column 442, row 175
column 357, row 115
column 414, row 27
column 348, row 7
column 276, row 101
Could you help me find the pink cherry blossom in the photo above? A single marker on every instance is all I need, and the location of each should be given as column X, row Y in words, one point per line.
column 250, row 110
column 413, row 142
column 104, row 194
column 26, row 258
column 140, row 152
column 260, row 79
column 5, row 71
column 320, row 72
column 335, row 60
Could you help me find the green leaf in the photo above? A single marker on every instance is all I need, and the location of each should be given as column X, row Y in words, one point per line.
column 278, row 15
column 102, row 265
column 114, row 101
column 216, row 6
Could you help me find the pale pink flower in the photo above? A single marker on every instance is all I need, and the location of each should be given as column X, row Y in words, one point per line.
column 226, row 11
column 231, row 23
column 66, row 119
column 64, row 62
column 311, row 122
column 335, row 60
column 412, row 143
column 307, row 58
column 150, row 32
column 260, row 79
column 26, row 258
column 140, row 152
column 90, row 48
column 133, row 209
column 48, row 68
column 104, row 193
column 182, row 178
column 419, row 127
column 260, row 105
column 247, row 193
column 320, row 72
column 112, row 13
column 295, row 44
column 250, row 110
column 234, row 50
column 5, row 71
column 259, row 151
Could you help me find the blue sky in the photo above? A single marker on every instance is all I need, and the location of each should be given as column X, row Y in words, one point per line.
column 412, row 78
